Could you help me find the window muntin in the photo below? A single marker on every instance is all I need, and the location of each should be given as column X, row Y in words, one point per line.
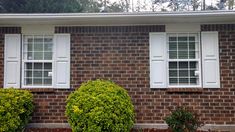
column 37, row 60
column 183, row 60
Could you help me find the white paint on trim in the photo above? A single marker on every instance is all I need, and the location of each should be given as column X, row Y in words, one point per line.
column 213, row 127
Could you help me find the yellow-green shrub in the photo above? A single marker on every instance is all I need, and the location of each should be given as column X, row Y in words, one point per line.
column 100, row 106
column 15, row 109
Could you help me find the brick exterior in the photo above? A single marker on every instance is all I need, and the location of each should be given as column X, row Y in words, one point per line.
column 121, row 53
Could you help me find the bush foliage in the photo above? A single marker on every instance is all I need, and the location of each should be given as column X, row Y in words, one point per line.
column 100, row 106
column 182, row 119
column 15, row 109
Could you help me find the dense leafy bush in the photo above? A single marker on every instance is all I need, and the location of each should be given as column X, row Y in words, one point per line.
column 100, row 106
column 15, row 109
column 182, row 119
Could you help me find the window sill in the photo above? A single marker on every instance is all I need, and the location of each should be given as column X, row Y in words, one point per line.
column 184, row 90
column 40, row 90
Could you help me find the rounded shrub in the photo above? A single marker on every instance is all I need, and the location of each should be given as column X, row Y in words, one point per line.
column 100, row 106
column 16, row 107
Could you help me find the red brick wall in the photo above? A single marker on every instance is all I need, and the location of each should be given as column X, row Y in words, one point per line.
column 122, row 55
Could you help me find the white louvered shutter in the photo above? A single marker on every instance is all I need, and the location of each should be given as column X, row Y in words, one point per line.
column 62, row 60
column 12, row 60
column 210, row 60
column 158, row 65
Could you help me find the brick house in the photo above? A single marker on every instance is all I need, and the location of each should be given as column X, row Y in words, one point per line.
column 162, row 59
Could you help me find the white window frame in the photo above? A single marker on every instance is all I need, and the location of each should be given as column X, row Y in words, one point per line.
column 199, row 61
column 44, row 61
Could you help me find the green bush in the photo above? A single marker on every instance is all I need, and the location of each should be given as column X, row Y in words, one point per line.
column 15, row 109
column 182, row 119
column 100, row 106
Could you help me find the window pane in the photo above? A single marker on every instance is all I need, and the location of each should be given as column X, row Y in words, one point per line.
column 183, row 65
column 192, row 55
column 192, row 45
column 37, row 74
column 48, row 40
column 30, row 47
column 183, row 54
column 172, row 45
column 37, row 81
column 183, row 73
column 193, row 81
column 183, row 46
column 28, row 73
column 173, row 65
column 173, row 73
column 28, row 66
column 38, row 47
column 183, row 80
column 48, row 81
column 191, row 38
column 182, row 38
column 38, row 66
column 47, row 55
column 48, row 47
column 30, row 56
column 48, row 66
column 172, row 39
column 173, row 54
column 38, row 55
column 28, row 81
column 173, row 80
column 192, row 65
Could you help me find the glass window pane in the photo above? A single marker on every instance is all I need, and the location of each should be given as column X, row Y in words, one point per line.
column 38, row 55
column 38, row 39
column 30, row 56
column 47, row 81
column 182, row 38
column 48, row 66
column 173, row 54
column 183, row 65
column 193, row 81
column 38, row 66
column 172, row 39
column 191, row 38
column 37, row 81
column 192, row 73
column 173, row 73
column 182, row 46
column 183, row 54
column 48, row 47
column 183, row 80
column 192, row 46
column 172, row 45
column 38, row 47
column 37, row 74
column 28, row 81
column 173, row 65
column 28, row 73
column 47, row 55
column 192, row 54
column 30, row 47
column 193, row 65
column 173, row 81
column 48, row 40
column 28, row 66
column 183, row 73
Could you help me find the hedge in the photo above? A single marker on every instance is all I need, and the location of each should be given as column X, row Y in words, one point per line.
column 15, row 109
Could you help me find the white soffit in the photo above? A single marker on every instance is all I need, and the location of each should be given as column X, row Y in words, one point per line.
column 119, row 18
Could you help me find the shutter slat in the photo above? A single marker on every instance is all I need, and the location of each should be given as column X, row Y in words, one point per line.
column 62, row 60
column 158, row 67
column 12, row 60
column 210, row 60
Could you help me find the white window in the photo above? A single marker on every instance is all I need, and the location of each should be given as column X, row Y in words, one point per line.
column 180, row 60
column 183, row 60
column 37, row 61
